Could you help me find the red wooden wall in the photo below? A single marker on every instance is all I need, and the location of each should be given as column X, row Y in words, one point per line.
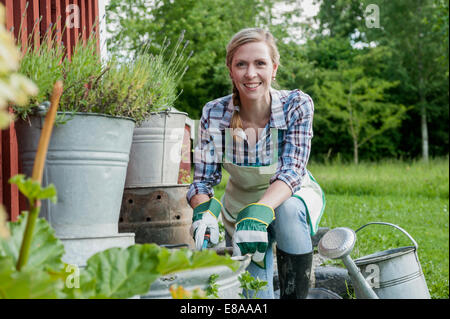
column 21, row 17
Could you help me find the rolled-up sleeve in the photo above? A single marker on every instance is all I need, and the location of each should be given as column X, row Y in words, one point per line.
column 297, row 142
column 207, row 163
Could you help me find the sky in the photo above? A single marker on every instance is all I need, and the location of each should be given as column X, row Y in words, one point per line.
column 306, row 10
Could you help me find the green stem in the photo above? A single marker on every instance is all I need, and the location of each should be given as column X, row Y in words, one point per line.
column 28, row 235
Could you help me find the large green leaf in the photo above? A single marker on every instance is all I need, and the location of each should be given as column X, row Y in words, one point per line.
column 122, row 272
column 46, row 250
column 126, row 272
column 28, row 283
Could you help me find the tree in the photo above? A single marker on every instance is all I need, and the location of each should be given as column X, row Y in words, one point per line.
column 340, row 19
column 358, row 101
column 416, row 32
column 409, row 28
column 208, row 25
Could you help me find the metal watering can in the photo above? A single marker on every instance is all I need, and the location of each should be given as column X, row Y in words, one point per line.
column 390, row 274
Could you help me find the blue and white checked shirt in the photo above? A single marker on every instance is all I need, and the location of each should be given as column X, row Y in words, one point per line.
column 291, row 120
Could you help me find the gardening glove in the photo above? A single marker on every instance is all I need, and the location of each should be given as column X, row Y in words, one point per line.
column 250, row 236
column 205, row 218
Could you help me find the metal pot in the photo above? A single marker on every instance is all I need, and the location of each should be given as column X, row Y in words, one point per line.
column 155, row 154
column 228, row 283
column 87, row 162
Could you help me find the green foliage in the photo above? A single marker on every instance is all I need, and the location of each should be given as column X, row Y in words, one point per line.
column 212, row 290
column 251, row 285
column 112, row 273
column 358, row 101
column 81, row 74
column 42, row 65
column 28, row 283
column 413, row 31
column 46, row 250
column 139, row 86
column 340, row 19
column 119, row 87
column 208, row 25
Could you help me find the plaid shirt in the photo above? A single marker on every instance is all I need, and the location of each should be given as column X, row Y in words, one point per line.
column 290, row 124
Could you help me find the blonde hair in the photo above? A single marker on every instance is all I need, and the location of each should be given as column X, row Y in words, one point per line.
column 245, row 36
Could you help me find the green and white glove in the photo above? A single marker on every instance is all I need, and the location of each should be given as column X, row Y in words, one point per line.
column 250, row 236
column 205, row 217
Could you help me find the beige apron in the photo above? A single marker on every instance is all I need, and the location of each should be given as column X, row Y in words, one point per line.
column 247, row 184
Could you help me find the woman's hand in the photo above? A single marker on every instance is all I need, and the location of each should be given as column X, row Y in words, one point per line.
column 251, row 236
column 205, row 219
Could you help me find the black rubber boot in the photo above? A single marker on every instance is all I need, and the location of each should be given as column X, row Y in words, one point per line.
column 294, row 272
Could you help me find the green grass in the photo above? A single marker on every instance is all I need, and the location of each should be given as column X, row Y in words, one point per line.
column 412, row 195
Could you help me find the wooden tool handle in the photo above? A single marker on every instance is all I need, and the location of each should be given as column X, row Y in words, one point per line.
column 224, row 250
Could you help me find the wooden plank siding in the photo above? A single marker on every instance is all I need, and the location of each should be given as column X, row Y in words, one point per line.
column 29, row 20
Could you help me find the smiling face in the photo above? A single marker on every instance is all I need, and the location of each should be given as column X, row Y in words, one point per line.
column 252, row 70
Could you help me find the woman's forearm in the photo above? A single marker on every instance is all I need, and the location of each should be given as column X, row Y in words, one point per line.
column 276, row 194
column 198, row 199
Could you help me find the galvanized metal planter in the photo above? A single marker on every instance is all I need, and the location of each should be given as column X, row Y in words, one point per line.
column 87, row 162
column 228, row 283
column 156, row 150
column 157, row 214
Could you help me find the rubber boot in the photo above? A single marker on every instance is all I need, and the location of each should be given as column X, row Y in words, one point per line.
column 294, row 272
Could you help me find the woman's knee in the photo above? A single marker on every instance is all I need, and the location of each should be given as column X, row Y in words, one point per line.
column 291, row 209
column 291, row 228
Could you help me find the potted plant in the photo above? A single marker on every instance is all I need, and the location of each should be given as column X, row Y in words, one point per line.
column 89, row 150
column 157, row 141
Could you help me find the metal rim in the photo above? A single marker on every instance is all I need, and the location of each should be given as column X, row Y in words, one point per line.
column 384, row 255
column 169, row 111
column 43, row 113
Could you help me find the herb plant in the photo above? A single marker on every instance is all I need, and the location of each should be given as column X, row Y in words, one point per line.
column 132, row 88
column 249, row 284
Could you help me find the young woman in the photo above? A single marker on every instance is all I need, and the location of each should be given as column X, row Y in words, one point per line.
column 262, row 137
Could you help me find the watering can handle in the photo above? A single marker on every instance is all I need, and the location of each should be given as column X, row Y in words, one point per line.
column 395, row 226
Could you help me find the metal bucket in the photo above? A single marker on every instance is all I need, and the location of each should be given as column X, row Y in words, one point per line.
column 155, row 154
column 394, row 273
column 228, row 282
column 159, row 215
column 87, row 162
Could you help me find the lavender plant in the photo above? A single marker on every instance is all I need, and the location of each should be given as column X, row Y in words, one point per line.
column 134, row 88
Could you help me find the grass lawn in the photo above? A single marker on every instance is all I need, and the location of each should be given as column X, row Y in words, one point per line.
column 412, row 195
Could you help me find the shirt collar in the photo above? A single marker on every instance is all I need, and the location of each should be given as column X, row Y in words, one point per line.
column 277, row 117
